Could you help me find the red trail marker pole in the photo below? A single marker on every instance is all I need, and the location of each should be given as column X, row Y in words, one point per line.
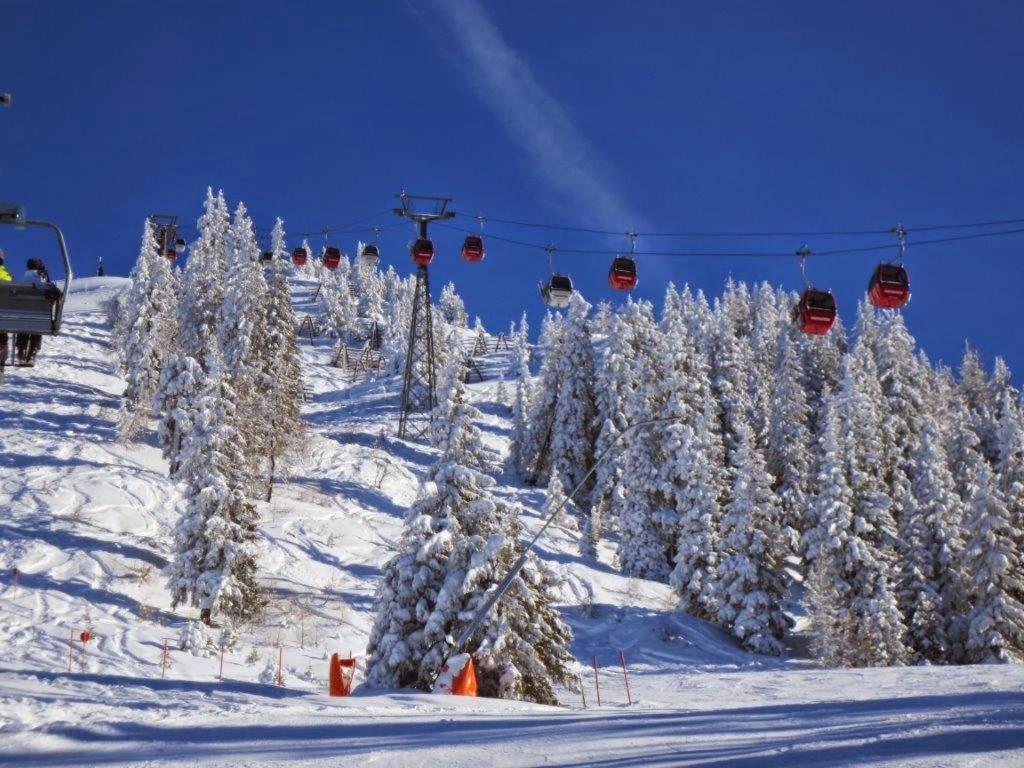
column 597, row 683
column 625, row 676
column 280, row 665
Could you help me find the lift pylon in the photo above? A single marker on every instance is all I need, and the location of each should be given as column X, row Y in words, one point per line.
column 418, row 386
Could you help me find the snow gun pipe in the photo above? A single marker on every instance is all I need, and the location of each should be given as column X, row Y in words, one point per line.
column 506, row 582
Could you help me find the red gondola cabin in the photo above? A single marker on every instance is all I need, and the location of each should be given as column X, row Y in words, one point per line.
column 300, row 257
column 622, row 274
column 332, row 257
column 816, row 312
column 423, row 251
column 889, row 287
column 473, row 248
column 267, row 256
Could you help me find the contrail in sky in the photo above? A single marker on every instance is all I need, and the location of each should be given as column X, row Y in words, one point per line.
column 533, row 117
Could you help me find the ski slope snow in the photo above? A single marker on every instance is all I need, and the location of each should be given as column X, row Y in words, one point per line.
column 84, row 529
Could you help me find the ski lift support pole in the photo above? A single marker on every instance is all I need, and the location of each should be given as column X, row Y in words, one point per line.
column 506, row 582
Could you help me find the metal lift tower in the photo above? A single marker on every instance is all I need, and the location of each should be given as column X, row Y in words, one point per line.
column 418, row 386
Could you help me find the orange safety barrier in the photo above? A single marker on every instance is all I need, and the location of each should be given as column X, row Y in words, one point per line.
column 340, row 675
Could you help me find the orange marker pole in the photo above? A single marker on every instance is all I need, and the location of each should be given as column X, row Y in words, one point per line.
column 280, row 665
column 625, row 676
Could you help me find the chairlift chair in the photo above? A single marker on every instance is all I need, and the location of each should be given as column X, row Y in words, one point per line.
column 423, row 251
column 33, row 307
column 889, row 287
column 473, row 248
column 332, row 257
column 557, row 291
column 622, row 273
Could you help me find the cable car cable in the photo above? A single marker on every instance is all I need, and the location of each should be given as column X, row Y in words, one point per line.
column 748, row 233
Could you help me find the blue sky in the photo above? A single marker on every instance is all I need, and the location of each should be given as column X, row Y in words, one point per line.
column 657, row 116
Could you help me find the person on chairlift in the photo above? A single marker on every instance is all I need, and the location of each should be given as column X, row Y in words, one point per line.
column 28, row 343
column 5, row 277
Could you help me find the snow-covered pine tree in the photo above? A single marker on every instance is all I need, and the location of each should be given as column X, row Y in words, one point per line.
column 453, row 307
column 768, row 319
column 340, row 310
column 149, row 338
column 198, row 309
column 751, row 569
column 992, row 562
column 790, row 444
column 641, row 502
column 370, row 295
column 572, row 432
column 457, row 543
column 242, row 333
column 731, row 363
column 282, row 368
column 854, row 525
column 398, row 307
column 631, row 338
column 933, row 540
column 214, row 562
column 854, row 613
column 536, row 451
column 517, row 459
column 695, row 572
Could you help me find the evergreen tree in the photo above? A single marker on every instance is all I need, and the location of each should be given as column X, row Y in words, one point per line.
column 992, row 562
column 695, row 573
column 457, row 543
column 282, row 368
column 932, row 541
column 751, row 568
column 572, row 439
column 452, row 307
column 789, row 438
column 243, row 337
column 198, row 310
column 854, row 613
column 536, row 452
column 149, row 338
column 518, row 460
column 214, row 561
column 632, row 334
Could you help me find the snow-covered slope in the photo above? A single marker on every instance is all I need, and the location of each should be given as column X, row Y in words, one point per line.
column 85, row 522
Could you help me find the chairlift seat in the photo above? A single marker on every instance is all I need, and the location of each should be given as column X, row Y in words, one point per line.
column 30, row 308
